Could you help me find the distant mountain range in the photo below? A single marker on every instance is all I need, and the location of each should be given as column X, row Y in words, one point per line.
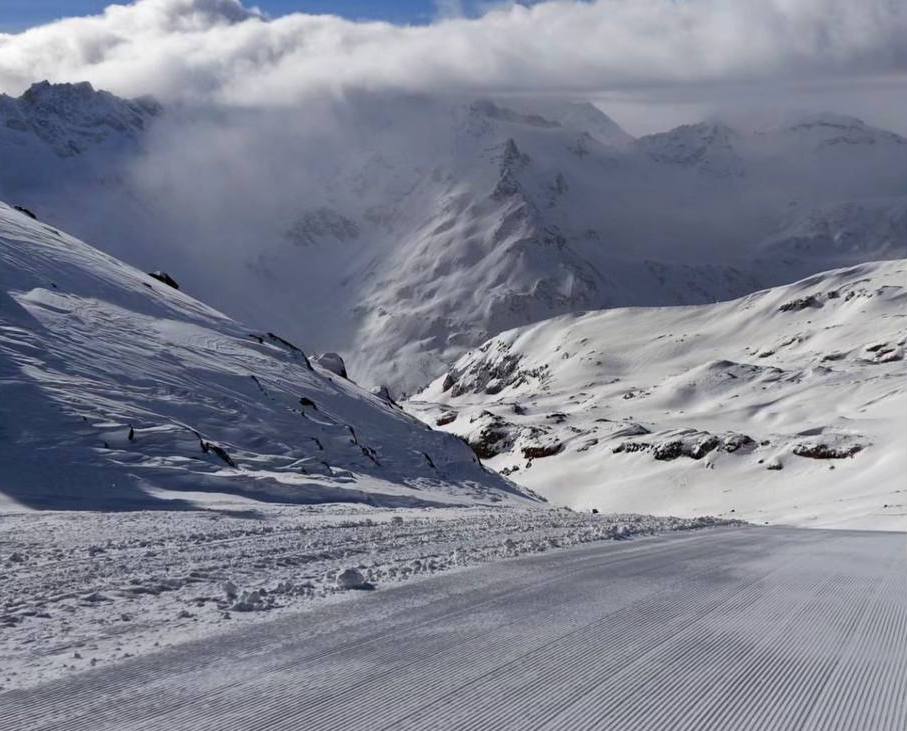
column 430, row 225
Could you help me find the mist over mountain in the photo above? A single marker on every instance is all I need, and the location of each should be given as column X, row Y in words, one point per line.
column 401, row 230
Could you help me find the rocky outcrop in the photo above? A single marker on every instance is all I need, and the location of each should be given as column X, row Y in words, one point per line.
column 692, row 444
column 332, row 362
column 801, row 303
column 821, row 450
column 165, row 278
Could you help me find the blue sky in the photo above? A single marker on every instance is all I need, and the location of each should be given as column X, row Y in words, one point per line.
column 19, row 14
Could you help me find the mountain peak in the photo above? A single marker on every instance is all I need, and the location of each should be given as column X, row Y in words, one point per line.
column 71, row 118
column 707, row 146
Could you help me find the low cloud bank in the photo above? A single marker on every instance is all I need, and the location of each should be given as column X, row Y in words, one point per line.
column 225, row 51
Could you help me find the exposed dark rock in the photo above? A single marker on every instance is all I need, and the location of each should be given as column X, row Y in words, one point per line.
column 283, row 343
column 735, row 442
column 448, row 417
column 493, row 439
column 825, row 451
column 668, row 450
column 371, row 454
column 499, row 371
column 332, row 362
column 629, row 447
column 542, row 450
column 694, row 445
column 384, row 393
column 702, row 448
column 493, row 387
column 802, row 303
column 883, row 353
column 165, row 278
column 219, row 451
column 25, row 211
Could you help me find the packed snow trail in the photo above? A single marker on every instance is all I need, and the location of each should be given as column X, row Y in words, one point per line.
column 745, row 628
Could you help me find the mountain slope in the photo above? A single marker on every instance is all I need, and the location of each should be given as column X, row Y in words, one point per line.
column 787, row 405
column 400, row 231
column 119, row 391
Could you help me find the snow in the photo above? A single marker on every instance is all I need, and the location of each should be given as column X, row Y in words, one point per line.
column 400, row 232
column 170, row 474
column 117, row 387
column 74, row 118
column 788, row 405
column 111, row 585
column 745, row 628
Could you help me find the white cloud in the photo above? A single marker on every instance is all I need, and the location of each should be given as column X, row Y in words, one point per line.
column 225, row 51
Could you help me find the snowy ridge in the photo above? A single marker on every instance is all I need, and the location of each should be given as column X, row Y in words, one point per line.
column 119, row 389
column 419, row 227
column 788, row 405
column 71, row 118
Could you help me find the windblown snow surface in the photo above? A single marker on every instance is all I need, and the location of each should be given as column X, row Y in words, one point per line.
column 119, row 391
column 788, row 405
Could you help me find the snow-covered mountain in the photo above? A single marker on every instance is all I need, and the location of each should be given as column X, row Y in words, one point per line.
column 72, row 118
column 403, row 231
column 788, row 405
column 120, row 391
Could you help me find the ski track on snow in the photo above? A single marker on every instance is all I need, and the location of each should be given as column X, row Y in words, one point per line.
column 745, row 628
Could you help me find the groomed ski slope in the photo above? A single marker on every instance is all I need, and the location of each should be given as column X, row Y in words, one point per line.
column 743, row 628
column 86, row 589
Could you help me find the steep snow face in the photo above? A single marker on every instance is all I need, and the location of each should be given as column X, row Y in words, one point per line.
column 119, row 391
column 400, row 232
column 788, row 405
